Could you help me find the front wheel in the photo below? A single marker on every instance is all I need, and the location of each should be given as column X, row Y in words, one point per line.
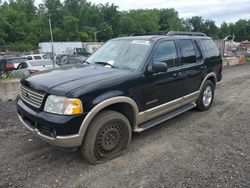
column 107, row 137
column 206, row 97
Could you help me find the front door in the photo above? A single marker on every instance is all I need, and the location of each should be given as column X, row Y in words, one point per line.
column 162, row 88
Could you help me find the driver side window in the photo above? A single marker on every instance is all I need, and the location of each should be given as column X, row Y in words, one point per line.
column 166, row 52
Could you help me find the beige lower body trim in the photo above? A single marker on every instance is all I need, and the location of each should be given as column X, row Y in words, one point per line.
column 167, row 107
column 86, row 122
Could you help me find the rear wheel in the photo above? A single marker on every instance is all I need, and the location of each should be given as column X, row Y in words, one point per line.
column 206, row 97
column 108, row 136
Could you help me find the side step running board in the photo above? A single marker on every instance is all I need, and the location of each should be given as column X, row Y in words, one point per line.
column 165, row 117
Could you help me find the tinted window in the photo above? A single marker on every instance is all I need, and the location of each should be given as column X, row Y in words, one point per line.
column 166, row 52
column 37, row 57
column 199, row 55
column 187, row 51
column 29, row 58
column 210, row 47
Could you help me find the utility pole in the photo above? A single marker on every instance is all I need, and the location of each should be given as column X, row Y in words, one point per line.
column 96, row 34
column 52, row 43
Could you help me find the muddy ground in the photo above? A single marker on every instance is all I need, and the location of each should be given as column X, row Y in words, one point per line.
column 195, row 149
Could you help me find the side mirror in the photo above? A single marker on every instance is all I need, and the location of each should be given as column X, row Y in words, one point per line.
column 159, row 67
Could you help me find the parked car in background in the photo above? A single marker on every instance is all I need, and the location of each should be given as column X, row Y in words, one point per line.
column 13, row 62
column 71, row 60
column 37, row 57
column 34, row 66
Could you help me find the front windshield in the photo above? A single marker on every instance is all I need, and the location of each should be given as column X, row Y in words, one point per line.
column 124, row 54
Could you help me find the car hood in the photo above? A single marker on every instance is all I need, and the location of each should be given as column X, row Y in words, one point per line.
column 62, row 80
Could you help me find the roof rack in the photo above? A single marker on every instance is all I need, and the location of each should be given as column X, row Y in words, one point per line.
column 150, row 33
column 171, row 33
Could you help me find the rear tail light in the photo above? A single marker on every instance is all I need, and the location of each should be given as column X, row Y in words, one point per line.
column 32, row 71
column 10, row 67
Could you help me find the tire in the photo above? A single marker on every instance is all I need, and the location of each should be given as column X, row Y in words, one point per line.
column 206, row 97
column 107, row 137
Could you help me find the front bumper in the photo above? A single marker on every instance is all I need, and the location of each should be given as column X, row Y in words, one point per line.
column 61, row 131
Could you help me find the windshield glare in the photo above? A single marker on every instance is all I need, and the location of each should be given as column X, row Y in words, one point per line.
column 124, row 54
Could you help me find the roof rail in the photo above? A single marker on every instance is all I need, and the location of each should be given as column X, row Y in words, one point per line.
column 172, row 33
column 150, row 33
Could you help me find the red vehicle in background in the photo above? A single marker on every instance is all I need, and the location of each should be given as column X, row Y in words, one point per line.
column 8, row 64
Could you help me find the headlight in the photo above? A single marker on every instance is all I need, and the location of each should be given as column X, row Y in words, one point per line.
column 62, row 105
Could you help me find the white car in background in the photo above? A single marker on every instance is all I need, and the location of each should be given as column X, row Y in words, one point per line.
column 37, row 57
column 33, row 66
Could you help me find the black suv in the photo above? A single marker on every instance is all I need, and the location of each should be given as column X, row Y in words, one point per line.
column 129, row 85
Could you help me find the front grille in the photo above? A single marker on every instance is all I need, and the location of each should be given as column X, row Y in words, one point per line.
column 32, row 96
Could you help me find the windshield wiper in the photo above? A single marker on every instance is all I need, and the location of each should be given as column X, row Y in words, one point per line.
column 105, row 63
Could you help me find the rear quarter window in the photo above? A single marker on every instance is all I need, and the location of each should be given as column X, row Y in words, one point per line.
column 210, row 48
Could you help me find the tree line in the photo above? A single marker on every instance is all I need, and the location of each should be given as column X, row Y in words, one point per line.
column 23, row 25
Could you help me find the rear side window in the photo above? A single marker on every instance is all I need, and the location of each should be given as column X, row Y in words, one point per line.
column 210, row 47
column 187, row 51
column 37, row 57
column 29, row 58
column 166, row 52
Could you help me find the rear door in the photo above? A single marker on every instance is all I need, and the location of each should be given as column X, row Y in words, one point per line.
column 192, row 65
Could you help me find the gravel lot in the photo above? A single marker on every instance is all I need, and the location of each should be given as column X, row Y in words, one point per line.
column 195, row 149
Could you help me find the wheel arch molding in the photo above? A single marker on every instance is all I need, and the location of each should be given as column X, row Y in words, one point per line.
column 211, row 76
column 107, row 104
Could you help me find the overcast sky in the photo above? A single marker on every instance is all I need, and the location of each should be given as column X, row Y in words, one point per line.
column 217, row 10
